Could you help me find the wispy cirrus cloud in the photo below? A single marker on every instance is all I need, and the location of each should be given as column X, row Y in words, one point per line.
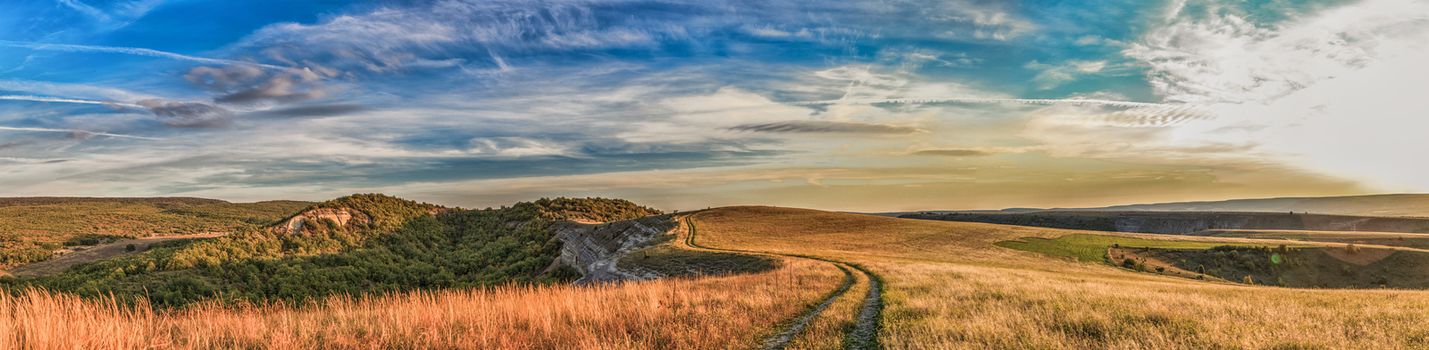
column 45, row 99
column 72, row 90
column 137, row 51
column 319, row 98
column 825, row 127
column 77, row 132
column 951, row 152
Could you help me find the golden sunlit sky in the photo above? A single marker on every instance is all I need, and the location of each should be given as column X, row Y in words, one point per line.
column 854, row 105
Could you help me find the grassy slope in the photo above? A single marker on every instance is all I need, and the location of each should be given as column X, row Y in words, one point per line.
column 397, row 245
column 1092, row 248
column 949, row 286
column 1395, row 239
column 705, row 313
column 30, row 228
column 684, row 313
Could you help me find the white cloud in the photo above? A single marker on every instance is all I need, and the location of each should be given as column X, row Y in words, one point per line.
column 1339, row 91
column 66, row 100
column 1228, row 58
column 392, row 38
column 137, row 51
column 82, row 91
column 75, row 132
column 87, row 10
column 988, row 22
column 516, row 147
column 1053, row 75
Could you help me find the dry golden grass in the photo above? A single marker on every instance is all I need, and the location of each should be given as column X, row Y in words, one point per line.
column 828, row 330
column 948, row 287
column 706, row 313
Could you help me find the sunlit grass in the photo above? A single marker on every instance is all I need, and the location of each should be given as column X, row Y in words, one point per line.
column 949, row 286
column 1092, row 248
column 705, row 313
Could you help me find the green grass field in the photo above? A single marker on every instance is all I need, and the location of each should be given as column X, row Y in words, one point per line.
column 1092, row 248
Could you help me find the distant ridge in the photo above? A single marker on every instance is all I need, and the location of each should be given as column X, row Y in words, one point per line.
column 13, row 201
column 1365, row 205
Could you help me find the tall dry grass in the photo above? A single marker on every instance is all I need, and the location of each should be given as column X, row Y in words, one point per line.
column 828, row 329
column 948, row 287
column 706, row 313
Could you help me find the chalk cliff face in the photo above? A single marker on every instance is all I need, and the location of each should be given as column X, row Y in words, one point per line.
column 595, row 249
column 315, row 220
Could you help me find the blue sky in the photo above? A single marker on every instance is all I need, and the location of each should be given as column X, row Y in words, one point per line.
column 858, row 105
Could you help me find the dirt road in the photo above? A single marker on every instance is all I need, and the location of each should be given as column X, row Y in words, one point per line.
column 864, row 335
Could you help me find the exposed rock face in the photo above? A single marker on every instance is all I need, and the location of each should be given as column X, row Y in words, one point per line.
column 595, row 249
column 316, row 219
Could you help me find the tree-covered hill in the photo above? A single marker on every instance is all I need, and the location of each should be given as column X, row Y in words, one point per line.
column 31, row 228
column 360, row 244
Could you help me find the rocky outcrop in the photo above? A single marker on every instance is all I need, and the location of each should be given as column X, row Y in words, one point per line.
column 595, row 249
column 318, row 219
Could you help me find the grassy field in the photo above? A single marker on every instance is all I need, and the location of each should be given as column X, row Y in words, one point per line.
column 949, row 286
column 1092, row 248
column 1396, row 239
column 946, row 285
column 705, row 313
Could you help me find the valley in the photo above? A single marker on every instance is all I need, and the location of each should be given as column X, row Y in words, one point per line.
column 601, row 273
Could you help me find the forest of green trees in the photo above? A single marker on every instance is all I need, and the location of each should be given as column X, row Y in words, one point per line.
column 404, row 245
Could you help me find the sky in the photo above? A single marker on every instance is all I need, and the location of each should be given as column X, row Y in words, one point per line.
column 883, row 105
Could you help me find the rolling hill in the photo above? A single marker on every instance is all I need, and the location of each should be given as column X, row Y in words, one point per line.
column 360, row 244
column 1177, row 222
column 949, row 285
column 34, row 228
column 380, row 271
column 1366, row 205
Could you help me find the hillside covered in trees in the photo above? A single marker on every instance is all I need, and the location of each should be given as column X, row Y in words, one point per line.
column 360, row 244
column 31, row 228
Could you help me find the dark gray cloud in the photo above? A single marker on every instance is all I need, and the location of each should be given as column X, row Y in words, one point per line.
column 825, row 127
column 188, row 114
column 312, row 111
column 952, row 153
column 224, row 78
column 282, row 88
